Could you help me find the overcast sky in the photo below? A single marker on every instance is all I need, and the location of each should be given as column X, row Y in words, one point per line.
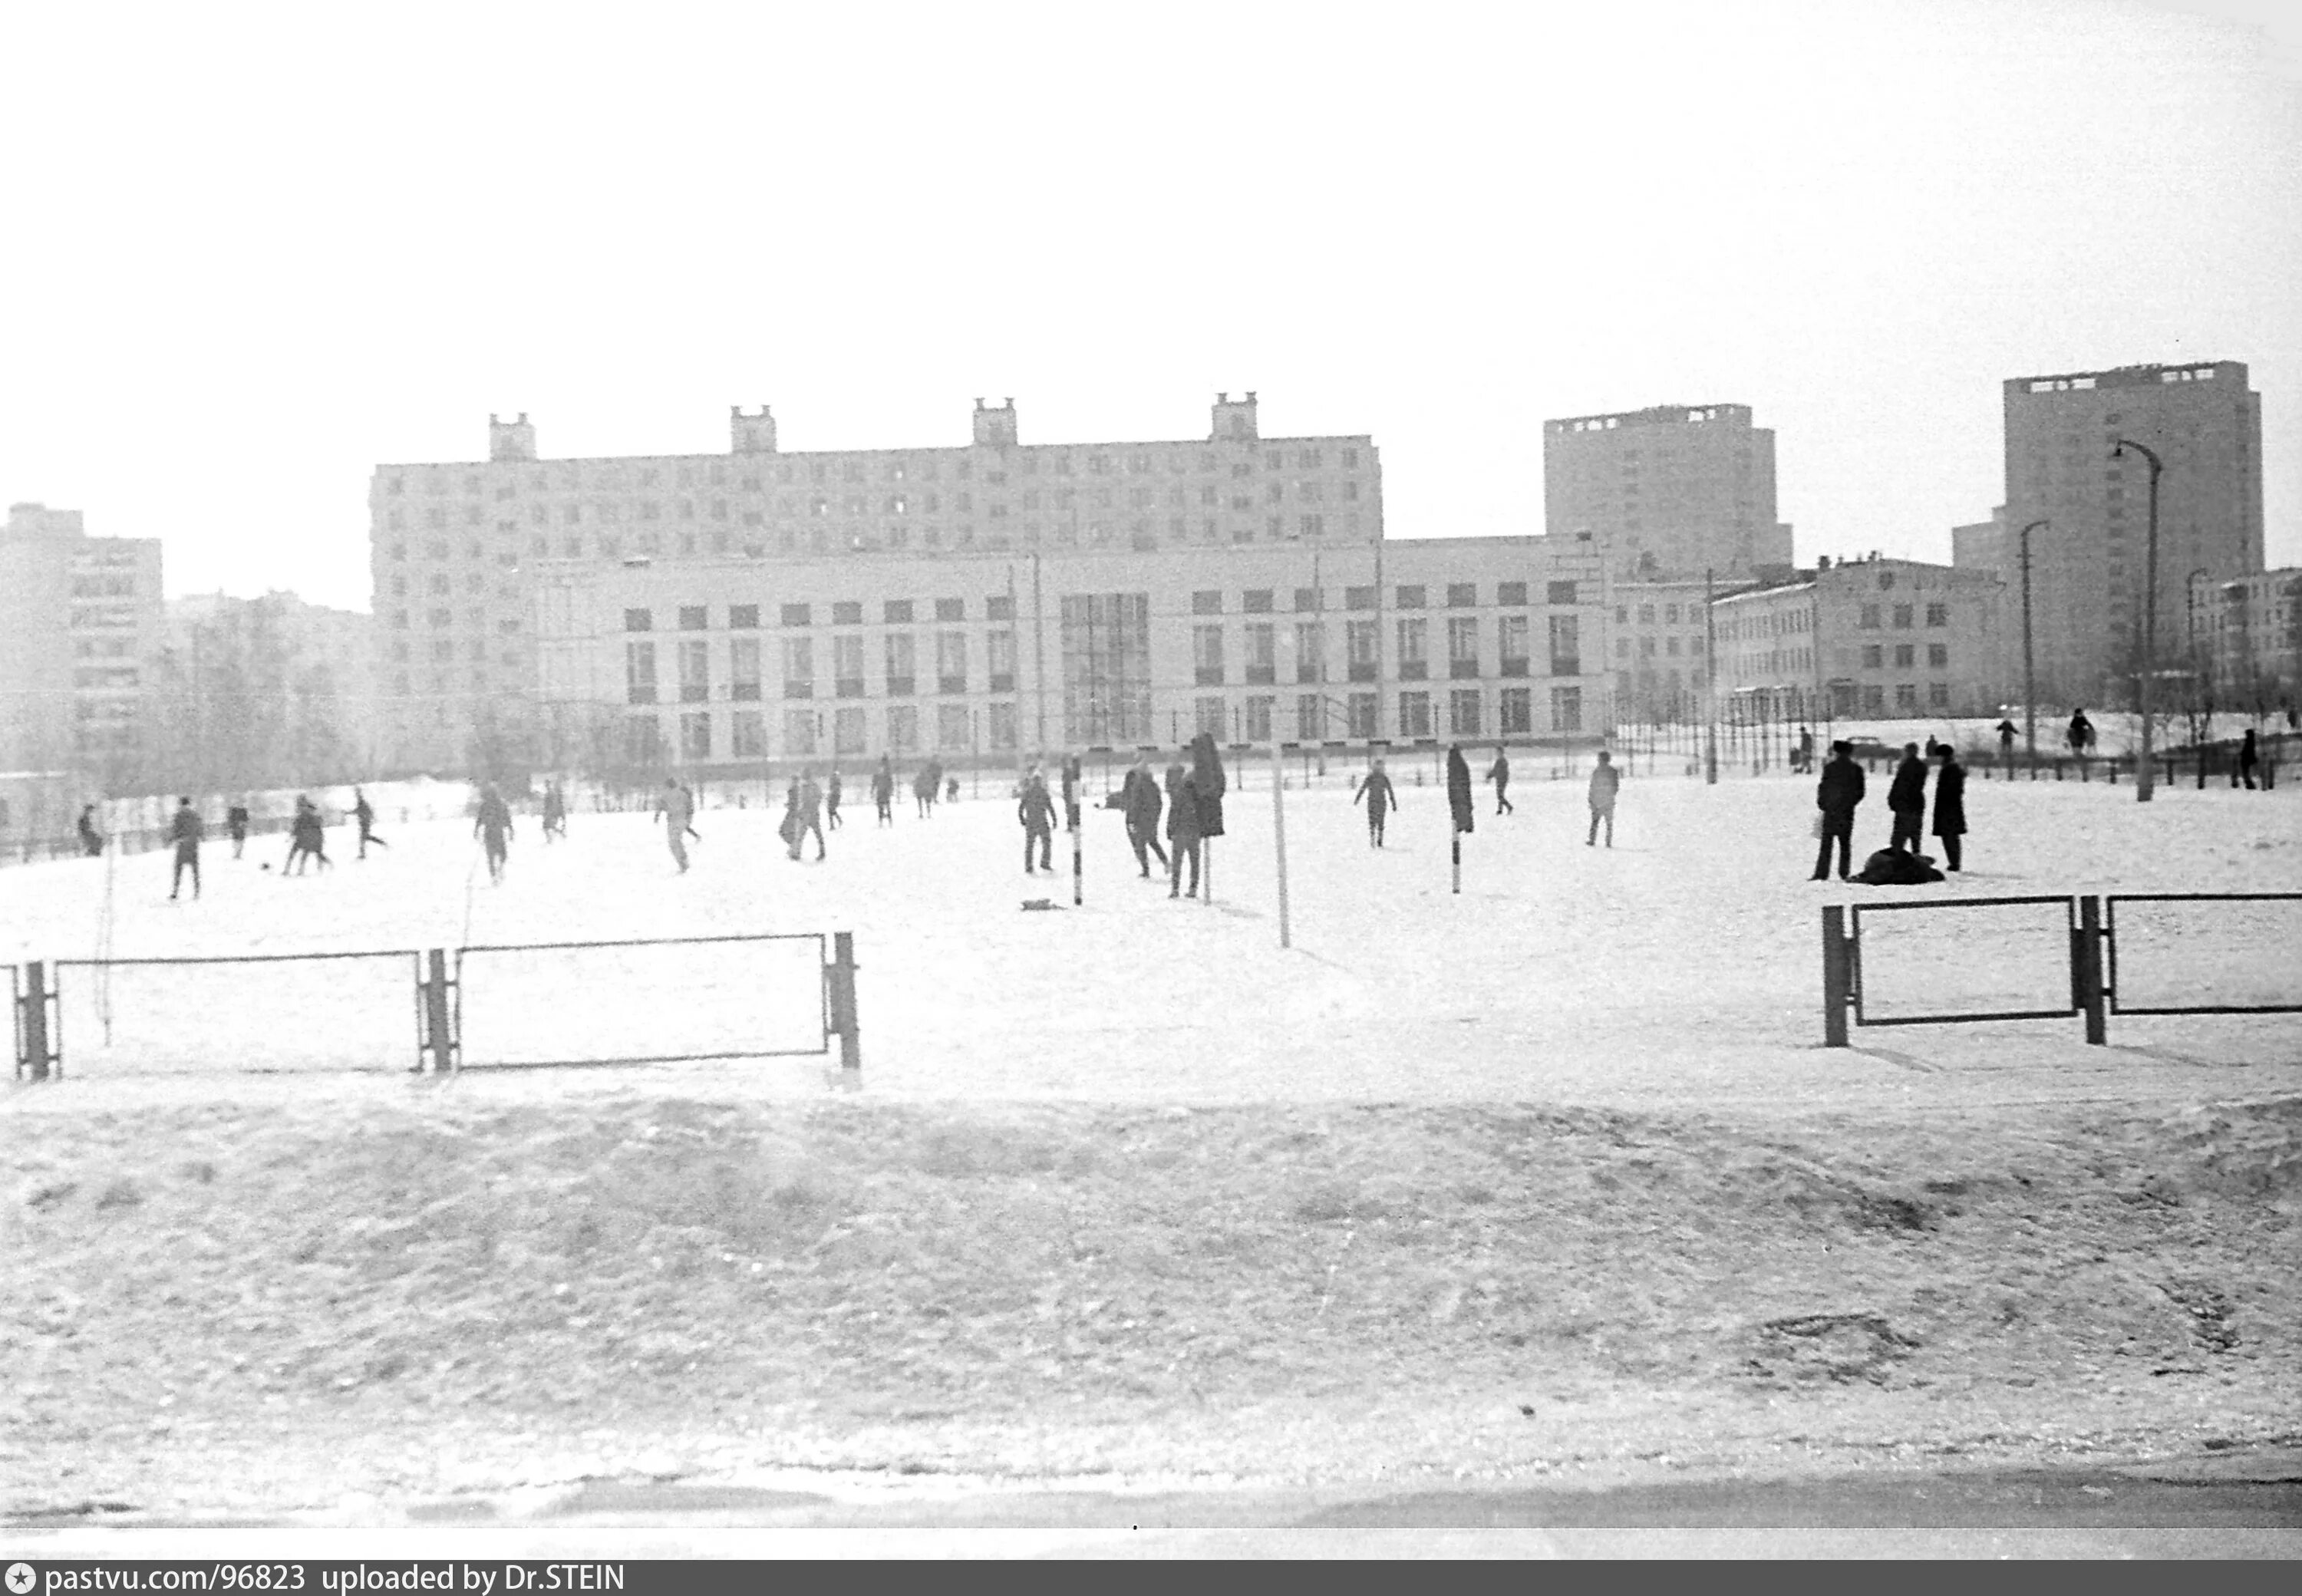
column 250, row 253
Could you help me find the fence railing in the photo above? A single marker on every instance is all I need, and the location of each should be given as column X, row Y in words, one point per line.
column 169, row 1022
column 2089, row 956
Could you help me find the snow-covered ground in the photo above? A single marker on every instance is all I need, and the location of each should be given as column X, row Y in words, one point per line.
column 1683, row 965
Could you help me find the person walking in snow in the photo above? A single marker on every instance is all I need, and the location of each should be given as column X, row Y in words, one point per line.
column 1950, row 804
column 1805, row 762
column 1837, row 795
column 831, row 800
column 2081, row 738
column 2250, row 755
column 185, row 830
column 806, row 814
column 1906, row 798
column 1184, row 810
column 2006, row 744
column 1140, row 802
column 308, row 838
column 92, row 840
column 1605, row 782
column 883, row 790
column 364, row 815
column 1380, row 800
column 235, row 821
column 1499, row 773
column 492, row 827
column 1035, row 810
column 555, row 811
column 923, row 790
column 674, row 808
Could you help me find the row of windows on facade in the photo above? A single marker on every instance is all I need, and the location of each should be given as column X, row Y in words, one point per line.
column 790, row 540
column 610, row 512
column 565, row 475
column 1001, row 607
column 1260, row 640
column 1310, row 718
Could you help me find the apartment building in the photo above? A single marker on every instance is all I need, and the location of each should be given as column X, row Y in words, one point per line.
column 80, row 628
column 1673, row 491
column 2247, row 632
column 718, row 666
column 457, row 547
column 1872, row 637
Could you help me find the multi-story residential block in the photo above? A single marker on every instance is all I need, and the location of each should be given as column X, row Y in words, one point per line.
column 719, row 665
column 80, row 628
column 2247, row 632
column 456, row 547
column 1875, row 637
column 1657, row 653
column 1673, row 493
column 2090, row 563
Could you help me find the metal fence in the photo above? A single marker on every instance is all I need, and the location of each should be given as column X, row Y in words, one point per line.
column 168, row 1018
column 2201, row 961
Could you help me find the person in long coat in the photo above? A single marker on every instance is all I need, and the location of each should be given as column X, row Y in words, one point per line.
column 1141, row 800
column 1035, row 811
column 2249, row 756
column 1906, row 796
column 1837, row 794
column 883, row 791
column 1208, row 783
column 1380, row 801
column 1605, row 782
column 1459, row 797
column 1950, row 804
column 1184, row 809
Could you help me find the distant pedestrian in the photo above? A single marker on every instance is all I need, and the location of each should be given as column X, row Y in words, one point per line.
column 1837, row 794
column 923, row 790
column 1460, row 800
column 806, row 814
column 831, row 800
column 364, row 815
column 1805, row 751
column 1140, row 802
column 1380, row 800
column 883, row 790
column 950, row 788
column 1906, row 797
column 1035, row 811
column 185, row 831
column 2250, row 755
column 1950, row 804
column 555, row 811
column 92, row 840
column 674, row 808
column 492, row 827
column 1606, row 781
column 1499, row 773
column 307, row 839
column 1183, row 836
column 2006, row 743
column 235, row 820
column 2081, row 738
column 1208, row 784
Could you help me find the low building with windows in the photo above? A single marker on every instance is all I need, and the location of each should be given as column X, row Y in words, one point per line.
column 1891, row 639
column 717, row 667
column 2249, row 633
column 1658, row 650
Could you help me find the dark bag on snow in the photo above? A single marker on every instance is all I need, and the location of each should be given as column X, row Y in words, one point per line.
column 1891, row 867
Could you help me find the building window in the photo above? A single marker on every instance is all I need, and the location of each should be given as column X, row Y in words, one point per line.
column 847, row 612
column 1517, row 711
column 951, row 662
column 1002, row 729
column 1566, row 709
column 694, row 673
column 1874, row 656
column 1310, row 651
column 1874, row 700
column 743, row 617
column 642, row 745
column 743, row 668
column 1258, row 717
column 896, row 612
column 1414, row 714
column 747, row 735
column 1906, row 655
column 847, row 664
column 1939, row 654
column 799, row 668
column 1566, row 645
column 1937, row 615
column 639, row 673
column 999, row 659
column 695, row 735
column 1262, row 656
column 951, row 609
column 1901, row 617
column 1207, row 655
column 1870, row 619
column 1359, row 597
column 902, row 662
column 1462, row 645
column 1364, row 715
column 795, row 614
column 1906, row 698
column 638, row 620
column 1207, row 716
column 799, row 733
column 1409, row 598
column 1462, row 595
column 847, row 730
column 1511, row 632
column 1360, row 643
column 1310, row 718
column 1414, row 649
column 999, row 607
column 1939, row 695
column 1208, row 601
column 1462, row 712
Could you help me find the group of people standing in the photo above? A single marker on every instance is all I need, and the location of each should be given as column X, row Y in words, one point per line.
column 1191, row 797
column 1840, row 791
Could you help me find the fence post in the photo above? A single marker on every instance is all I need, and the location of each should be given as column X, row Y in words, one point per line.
column 439, row 1041
column 1837, row 988
column 841, row 976
column 35, row 1019
column 2086, row 968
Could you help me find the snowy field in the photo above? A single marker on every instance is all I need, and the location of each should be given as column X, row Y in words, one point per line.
column 1682, row 966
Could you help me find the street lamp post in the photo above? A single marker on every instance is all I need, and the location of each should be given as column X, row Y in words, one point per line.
column 1709, row 682
column 2201, row 699
column 2030, row 663
column 2142, row 773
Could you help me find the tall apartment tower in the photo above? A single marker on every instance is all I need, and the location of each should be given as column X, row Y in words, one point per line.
column 2087, row 565
column 80, row 629
column 1669, row 493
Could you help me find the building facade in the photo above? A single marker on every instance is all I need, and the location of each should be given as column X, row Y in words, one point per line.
column 456, row 548
column 717, row 667
column 79, row 630
column 2247, row 632
column 2089, row 564
column 1659, row 648
column 1673, row 491
column 1878, row 638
